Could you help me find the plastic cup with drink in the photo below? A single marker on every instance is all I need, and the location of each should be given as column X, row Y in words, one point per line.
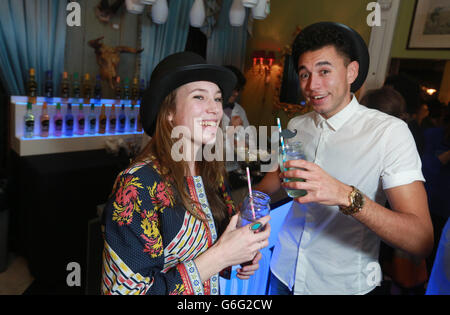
column 261, row 208
column 292, row 151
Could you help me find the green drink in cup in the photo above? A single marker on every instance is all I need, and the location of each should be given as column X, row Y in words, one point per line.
column 292, row 151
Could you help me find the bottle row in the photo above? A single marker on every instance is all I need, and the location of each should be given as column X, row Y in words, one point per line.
column 125, row 120
column 86, row 89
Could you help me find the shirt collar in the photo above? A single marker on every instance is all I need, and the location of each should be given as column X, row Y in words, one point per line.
column 339, row 119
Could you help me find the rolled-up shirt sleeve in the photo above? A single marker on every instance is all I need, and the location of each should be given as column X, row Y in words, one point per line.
column 401, row 163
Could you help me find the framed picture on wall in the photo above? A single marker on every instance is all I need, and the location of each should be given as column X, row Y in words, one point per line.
column 430, row 27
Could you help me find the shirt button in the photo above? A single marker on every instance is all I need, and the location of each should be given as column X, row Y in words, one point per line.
column 305, row 237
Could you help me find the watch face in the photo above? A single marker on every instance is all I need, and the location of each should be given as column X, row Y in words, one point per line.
column 358, row 199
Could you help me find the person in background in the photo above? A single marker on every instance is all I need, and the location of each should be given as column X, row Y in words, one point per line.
column 234, row 115
column 170, row 224
column 436, row 169
column 387, row 100
column 436, row 114
column 416, row 126
column 357, row 159
column 417, row 110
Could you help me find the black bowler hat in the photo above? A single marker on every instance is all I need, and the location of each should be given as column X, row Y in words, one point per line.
column 174, row 71
column 358, row 48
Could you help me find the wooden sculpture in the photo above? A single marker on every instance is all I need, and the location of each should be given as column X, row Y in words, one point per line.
column 108, row 58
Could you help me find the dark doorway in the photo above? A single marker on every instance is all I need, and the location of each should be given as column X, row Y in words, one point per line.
column 196, row 41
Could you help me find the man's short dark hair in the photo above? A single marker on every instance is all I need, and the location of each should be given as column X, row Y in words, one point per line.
column 319, row 36
column 241, row 80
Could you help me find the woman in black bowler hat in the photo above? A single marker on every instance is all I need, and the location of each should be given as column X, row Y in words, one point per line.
column 170, row 224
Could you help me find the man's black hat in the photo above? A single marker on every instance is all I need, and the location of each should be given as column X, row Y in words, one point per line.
column 358, row 48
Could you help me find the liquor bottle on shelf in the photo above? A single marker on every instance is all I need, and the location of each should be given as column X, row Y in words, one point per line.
column 69, row 121
column 31, row 84
column 122, row 119
column 76, row 92
column 80, row 120
column 132, row 119
column 87, row 88
column 139, row 122
column 118, row 89
column 58, row 120
column 65, row 86
column 135, row 90
column 112, row 119
column 98, row 88
column 126, row 89
column 29, row 121
column 45, row 121
column 102, row 121
column 92, row 120
column 48, row 87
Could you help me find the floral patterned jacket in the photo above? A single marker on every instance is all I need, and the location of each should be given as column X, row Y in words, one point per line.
column 150, row 241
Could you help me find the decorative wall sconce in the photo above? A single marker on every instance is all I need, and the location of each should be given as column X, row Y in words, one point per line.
column 262, row 63
column 263, row 58
column 270, row 58
column 429, row 90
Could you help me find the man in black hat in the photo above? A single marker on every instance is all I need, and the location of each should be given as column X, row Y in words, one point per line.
column 357, row 158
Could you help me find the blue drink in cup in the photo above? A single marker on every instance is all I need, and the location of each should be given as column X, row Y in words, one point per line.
column 261, row 206
column 292, row 151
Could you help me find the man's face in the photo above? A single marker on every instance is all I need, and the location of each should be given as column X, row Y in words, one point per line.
column 325, row 80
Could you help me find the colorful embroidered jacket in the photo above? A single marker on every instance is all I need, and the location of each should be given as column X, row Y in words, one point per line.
column 150, row 241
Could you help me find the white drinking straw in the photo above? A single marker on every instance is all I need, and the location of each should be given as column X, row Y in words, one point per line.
column 250, row 192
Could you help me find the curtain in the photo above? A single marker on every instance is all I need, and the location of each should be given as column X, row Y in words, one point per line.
column 161, row 40
column 32, row 35
column 227, row 43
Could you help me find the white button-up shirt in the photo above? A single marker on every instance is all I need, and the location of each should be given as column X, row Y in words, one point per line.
column 320, row 250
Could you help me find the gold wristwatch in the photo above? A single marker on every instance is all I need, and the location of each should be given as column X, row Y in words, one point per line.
column 356, row 199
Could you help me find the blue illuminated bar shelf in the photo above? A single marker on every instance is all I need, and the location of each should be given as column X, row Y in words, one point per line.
column 46, row 145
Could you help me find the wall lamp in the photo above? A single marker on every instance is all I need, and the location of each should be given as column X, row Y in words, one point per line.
column 262, row 63
column 263, row 58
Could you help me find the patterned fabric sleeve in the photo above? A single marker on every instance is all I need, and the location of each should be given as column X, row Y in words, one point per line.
column 133, row 256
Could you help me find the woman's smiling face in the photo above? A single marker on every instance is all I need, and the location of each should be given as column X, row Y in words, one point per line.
column 199, row 108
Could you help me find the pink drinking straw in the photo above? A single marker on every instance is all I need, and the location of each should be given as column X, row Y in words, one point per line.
column 250, row 193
